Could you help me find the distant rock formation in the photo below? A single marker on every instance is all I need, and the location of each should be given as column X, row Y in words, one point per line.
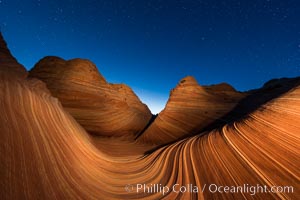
column 101, row 108
column 190, row 108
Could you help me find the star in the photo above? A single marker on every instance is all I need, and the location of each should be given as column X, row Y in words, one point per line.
column 59, row 10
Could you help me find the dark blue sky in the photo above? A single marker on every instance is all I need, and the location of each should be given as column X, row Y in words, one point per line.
column 151, row 45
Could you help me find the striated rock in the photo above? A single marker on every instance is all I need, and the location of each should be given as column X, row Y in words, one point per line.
column 190, row 108
column 46, row 154
column 101, row 108
column 8, row 64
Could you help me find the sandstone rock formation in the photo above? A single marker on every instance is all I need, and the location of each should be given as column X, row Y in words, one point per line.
column 46, row 154
column 101, row 108
column 190, row 108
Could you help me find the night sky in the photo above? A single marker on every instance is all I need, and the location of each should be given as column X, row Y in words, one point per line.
column 151, row 45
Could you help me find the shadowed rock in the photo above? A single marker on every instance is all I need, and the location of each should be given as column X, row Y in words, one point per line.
column 8, row 63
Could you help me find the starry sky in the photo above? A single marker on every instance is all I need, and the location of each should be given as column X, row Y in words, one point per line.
column 150, row 45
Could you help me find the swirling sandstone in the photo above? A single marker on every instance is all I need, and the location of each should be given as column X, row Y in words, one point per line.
column 46, row 154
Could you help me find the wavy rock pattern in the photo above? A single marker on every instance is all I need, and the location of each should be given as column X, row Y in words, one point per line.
column 101, row 108
column 190, row 108
column 46, row 154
